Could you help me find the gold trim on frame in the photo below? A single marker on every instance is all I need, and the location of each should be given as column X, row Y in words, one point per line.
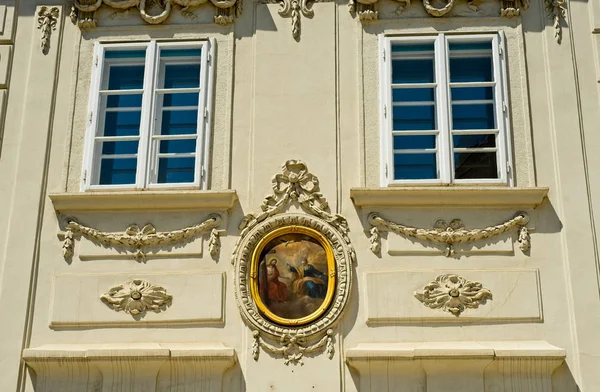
column 331, row 273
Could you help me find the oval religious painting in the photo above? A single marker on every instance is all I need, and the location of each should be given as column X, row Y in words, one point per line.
column 293, row 275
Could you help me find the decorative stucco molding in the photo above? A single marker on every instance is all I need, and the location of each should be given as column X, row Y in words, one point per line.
column 137, row 296
column 365, row 9
column 294, row 185
column 293, row 9
column 453, row 293
column 293, row 347
column 47, row 20
column 557, row 11
column 136, row 238
column 449, row 234
column 83, row 12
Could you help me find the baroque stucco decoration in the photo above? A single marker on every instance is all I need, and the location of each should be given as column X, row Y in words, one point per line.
column 137, row 296
column 557, row 10
column 295, row 185
column 449, row 234
column 83, row 12
column 47, row 18
column 294, row 9
column 365, row 9
column 453, row 293
column 136, row 238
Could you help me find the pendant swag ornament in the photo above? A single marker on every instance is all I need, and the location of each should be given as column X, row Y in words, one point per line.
column 293, row 271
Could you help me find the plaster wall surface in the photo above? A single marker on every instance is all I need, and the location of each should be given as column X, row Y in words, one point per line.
column 314, row 97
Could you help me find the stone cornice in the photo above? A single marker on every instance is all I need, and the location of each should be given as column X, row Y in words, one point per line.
column 70, row 203
column 448, row 196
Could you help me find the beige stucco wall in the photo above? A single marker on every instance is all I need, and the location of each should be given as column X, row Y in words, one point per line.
column 316, row 99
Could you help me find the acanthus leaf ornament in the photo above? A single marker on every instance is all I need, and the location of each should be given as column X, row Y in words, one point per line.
column 47, row 20
column 136, row 297
column 450, row 234
column 295, row 185
column 453, row 294
column 136, row 239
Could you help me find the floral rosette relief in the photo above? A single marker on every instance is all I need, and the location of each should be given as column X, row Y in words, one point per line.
column 453, row 294
column 136, row 297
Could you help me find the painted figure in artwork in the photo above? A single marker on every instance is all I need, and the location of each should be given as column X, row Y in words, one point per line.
column 307, row 280
column 276, row 289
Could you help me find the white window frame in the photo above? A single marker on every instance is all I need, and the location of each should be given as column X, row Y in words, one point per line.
column 147, row 156
column 445, row 155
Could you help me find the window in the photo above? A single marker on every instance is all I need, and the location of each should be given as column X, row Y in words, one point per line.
column 149, row 120
column 444, row 111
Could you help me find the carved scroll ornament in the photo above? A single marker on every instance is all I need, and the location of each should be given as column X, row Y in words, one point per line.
column 136, row 238
column 365, row 9
column 453, row 294
column 449, row 234
column 83, row 12
column 47, row 20
column 295, row 185
column 137, row 296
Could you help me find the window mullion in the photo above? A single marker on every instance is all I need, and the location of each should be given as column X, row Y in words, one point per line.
column 445, row 161
column 147, row 123
column 202, row 130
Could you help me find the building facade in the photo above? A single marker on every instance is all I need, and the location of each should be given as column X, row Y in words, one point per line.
column 291, row 195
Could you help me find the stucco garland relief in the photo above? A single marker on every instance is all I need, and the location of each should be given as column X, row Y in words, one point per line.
column 449, row 234
column 365, row 9
column 294, row 185
column 83, row 12
column 453, row 294
column 137, row 296
column 557, row 11
column 47, row 20
column 136, row 239
column 294, row 9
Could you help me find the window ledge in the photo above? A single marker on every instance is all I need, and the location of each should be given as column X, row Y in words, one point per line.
column 68, row 203
column 448, row 196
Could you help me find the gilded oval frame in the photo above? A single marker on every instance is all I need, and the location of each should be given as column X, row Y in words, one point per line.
column 331, row 274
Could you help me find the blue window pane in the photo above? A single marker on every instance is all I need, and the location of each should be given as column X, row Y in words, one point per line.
column 413, row 71
column 178, row 122
column 471, row 93
column 175, row 170
column 412, row 47
column 474, row 141
column 125, row 54
column 195, row 52
column 473, row 69
column 182, row 76
column 414, row 166
column 122, row 123
column 123, row 101
column 178, row 146
column 117, row 171
column 413, row 118
column 414, row 142
column 473, row 116
column 475, row 165
column 125, row 77
column 116, row 148
column 412, row 95
column 470, row 46
column 190, row 99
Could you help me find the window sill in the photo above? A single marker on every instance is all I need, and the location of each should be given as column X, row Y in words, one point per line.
column 68, row 203
column 448, row 196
